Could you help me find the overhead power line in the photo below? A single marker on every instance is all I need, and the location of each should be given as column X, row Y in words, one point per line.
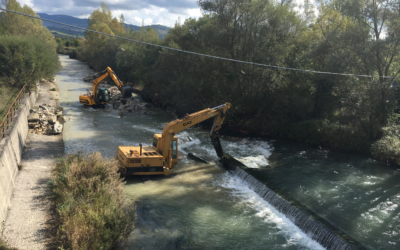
column 205, row 55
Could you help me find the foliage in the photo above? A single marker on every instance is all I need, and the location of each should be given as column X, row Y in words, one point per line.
column 18, row 25
column 89, row 196
column 26, row 60
column 72, row 54
column 348, row 36
column 27, row 49
column 387, row 149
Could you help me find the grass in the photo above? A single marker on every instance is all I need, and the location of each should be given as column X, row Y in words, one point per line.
column 7, row 95
column 3, row 240
column 89, row 197
column 53, row 89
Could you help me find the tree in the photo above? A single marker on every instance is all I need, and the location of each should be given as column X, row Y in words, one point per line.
column 77, row 42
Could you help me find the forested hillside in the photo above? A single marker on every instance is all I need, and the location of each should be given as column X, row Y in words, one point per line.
column 357, row 114
column 83, row 23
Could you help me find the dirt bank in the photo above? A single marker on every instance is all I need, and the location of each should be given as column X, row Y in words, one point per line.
column 29, row 218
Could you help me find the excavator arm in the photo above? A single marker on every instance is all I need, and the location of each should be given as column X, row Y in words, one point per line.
column 172, row 128
column 125, row 90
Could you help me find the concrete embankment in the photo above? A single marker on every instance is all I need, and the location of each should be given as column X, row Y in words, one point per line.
column 27, row 196
column 11, row 148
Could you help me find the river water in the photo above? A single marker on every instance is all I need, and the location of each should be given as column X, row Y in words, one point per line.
column 204, row 207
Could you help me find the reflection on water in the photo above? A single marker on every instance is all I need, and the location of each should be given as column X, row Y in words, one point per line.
column 198, row 207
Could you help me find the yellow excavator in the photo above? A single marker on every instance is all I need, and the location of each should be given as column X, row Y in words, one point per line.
column 162, row 155
column 101, row 96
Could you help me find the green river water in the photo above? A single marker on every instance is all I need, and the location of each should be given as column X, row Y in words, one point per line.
column 204, row 207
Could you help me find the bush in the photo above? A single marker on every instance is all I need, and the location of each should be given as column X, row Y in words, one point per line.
column 387, row 149
column 26, row 60
column 89, row 198
column 60, row 48
column 72, row 54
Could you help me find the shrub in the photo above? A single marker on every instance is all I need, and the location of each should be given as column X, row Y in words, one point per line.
column 89, row 198
column 26, row 60
column 72, row 54
column 387, row 149
column 53, row 89
column 60, row 48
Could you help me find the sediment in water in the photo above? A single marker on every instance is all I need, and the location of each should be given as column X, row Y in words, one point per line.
column 314, row 226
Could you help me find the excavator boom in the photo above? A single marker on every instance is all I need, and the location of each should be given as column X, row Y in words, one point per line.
column 93, row 98
column 162, row 156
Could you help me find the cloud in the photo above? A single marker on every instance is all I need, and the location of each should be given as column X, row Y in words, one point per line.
column 164, row 12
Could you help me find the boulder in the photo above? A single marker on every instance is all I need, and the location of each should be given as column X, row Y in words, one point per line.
column 121, row 113
column 113, row 89
column 32, row 124
column 139, row 108
column 54, row 129
column 33, row 117
column 43, row 107
column 61, row 119
column 51, row 118
column 116, row 105
column 148, row 105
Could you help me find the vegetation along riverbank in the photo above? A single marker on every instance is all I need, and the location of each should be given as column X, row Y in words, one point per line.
column 350, row 113
column 89, row 196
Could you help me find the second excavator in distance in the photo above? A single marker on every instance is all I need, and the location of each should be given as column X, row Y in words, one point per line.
column 162, row 155
column 101, row 96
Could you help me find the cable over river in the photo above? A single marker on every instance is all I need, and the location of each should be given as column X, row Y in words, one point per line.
column 205, row 207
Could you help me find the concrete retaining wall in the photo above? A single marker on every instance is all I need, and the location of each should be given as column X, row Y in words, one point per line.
column 11, row 148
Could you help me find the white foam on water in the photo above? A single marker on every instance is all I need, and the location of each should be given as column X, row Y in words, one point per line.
column 147, row 129
column 266, row 212
column 246, row 147
column 254, row 161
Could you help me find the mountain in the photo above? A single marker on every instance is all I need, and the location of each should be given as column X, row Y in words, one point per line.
column 61, row 30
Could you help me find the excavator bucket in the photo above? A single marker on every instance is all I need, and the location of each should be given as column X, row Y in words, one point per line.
column 217, row 145
column 126, row 91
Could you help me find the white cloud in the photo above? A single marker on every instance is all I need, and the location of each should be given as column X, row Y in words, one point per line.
column 155, row 15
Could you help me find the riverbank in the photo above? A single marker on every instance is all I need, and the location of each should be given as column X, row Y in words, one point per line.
column 28, row 224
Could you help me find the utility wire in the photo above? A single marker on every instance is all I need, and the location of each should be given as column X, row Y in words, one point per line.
column 199, row 54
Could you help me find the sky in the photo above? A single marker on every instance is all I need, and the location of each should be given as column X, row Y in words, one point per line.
column 164, row 12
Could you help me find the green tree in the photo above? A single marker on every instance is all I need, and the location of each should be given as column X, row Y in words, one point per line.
column 77, row 42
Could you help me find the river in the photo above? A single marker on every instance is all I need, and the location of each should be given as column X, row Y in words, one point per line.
column 204, row 207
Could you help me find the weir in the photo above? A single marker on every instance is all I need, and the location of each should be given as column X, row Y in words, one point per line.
column 314, row 226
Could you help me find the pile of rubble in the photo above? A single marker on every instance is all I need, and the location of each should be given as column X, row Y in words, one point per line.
column 127, row 105
column 46, row 120
column 123, row 105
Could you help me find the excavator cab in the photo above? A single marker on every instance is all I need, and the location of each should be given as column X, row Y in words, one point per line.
column 174, row 146
column 103, row 95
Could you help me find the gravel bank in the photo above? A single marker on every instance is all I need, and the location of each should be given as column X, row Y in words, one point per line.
column 29, row 219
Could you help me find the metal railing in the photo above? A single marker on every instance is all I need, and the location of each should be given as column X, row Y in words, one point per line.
column 8, row 118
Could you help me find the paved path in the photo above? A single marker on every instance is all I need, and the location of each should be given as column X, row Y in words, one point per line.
column 29, row 219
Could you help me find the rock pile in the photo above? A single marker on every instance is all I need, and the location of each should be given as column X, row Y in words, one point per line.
column 125, row 105
column 46, row 120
